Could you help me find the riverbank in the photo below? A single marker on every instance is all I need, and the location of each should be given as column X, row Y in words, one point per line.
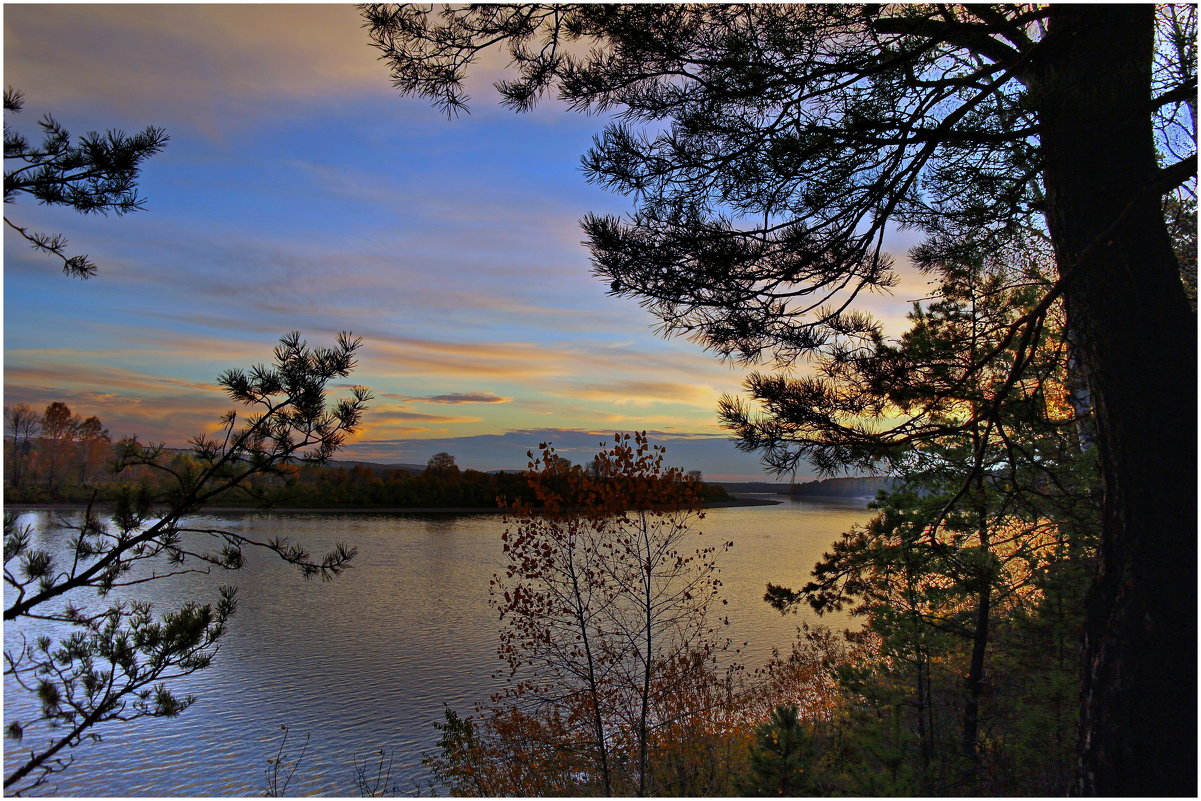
column 355, row 510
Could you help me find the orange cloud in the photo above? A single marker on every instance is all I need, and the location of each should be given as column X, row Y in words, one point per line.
column 216, row 55
column 384, row 417
column 71, row 374
column 644, row 393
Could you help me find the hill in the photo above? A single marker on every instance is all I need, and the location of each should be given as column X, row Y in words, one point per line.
column 851, row 487
column 756, row 487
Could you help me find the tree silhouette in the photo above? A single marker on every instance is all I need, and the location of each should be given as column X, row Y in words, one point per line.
column 59, row 431
column 96, row 175
column 769, row 147
column 441, row 464
column 23, row 426
column 111, row 662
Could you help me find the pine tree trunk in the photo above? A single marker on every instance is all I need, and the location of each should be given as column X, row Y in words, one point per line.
column 975, row 676
column 1137, row 338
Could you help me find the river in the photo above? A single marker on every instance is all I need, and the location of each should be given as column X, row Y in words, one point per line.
column 365, row 662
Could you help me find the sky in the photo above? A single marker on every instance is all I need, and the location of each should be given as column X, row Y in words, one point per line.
column 299, row 191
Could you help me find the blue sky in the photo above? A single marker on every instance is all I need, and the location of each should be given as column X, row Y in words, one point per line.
column 299, row 191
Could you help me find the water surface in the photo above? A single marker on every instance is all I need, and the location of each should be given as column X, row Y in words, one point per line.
column 366, row 662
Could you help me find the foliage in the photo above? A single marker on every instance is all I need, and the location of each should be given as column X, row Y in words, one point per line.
column 95, row 446
column 951, row 574
column 612, row 681
column 96, row 175
column 973, row 679
column 362, row 487
column 767, row 148
column 111, row 661
column 59, row 431
column 441, row 463
column 782, row 756
column 69, row 455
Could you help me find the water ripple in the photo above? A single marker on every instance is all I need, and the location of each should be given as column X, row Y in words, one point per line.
column 366, row 662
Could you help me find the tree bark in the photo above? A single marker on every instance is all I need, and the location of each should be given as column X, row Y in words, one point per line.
column 975, row 675
column 1090, row 84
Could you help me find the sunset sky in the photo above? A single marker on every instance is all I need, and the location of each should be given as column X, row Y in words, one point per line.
column 299, row 191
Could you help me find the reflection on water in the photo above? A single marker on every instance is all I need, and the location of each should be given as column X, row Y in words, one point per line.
column 366, row 662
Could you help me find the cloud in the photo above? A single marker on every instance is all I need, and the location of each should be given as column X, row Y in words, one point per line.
column 407, row 356
column 465, row 397
column 72, row 371
column 266, row 281
column 623, row 392
column 236, row 63
column 229, row 60
column 385, row 417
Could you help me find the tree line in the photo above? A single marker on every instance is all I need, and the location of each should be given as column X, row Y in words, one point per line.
column 846, row 487
column 59, row 456
column 55, row 452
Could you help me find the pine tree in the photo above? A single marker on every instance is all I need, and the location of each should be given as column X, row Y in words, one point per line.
column 769, row 147
column 96, row 175
column 781, row 758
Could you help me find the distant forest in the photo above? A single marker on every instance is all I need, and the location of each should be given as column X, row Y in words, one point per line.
column 846, row 487
column 59, row 457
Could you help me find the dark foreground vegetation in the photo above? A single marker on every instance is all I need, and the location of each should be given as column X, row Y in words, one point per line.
column 963, row 680
column 1044, row 399
column 110, row 661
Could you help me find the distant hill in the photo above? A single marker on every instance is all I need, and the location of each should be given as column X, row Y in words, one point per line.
column 860, row 487
column 758, row 487
column 376, row 467
column 849, row 487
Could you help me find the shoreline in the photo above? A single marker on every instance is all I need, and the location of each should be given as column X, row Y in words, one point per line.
column 358, row 510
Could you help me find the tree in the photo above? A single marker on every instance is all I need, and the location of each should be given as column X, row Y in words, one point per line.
column 59, row 431
column 607, row 638
column 779, row 143
column 985, row 505
column 441, row 464
column 95, row 448
column 23, row 425
column 96, row 175
column 112, row 661
column 782, row 757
